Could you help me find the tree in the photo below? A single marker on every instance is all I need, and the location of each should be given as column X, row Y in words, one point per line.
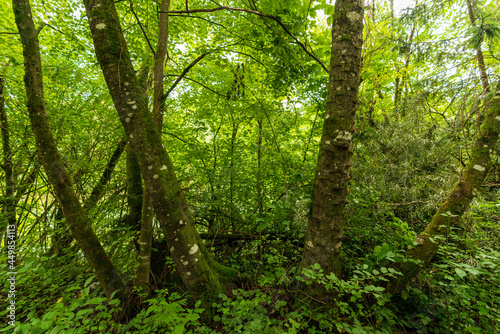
column 326, row 223
column 51, row 160
column 201, row 276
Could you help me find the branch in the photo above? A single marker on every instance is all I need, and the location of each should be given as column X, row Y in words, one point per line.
column 142, row 29
column 97, row 192
column 209, row 10
column 183, row 74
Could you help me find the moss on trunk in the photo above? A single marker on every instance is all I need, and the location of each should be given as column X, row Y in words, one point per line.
column 51, row 160
column 449, row 213
column 191, row 259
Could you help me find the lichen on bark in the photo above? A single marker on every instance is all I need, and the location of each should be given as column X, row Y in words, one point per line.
column 326, row 223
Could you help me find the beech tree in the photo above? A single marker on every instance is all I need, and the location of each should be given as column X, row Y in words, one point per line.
column 53, row 165
column 326, row 223
column 198, row 270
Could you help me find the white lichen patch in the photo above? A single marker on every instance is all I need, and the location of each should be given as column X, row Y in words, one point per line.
column 353, row 16
column 344, row 135
column 497, row 118
column 479, row 168
column 193, row 249
column 188, row 273
column 149, row 208
column 130, row 102
column 127, row 120
column 163, row 167
column 327, row 142
column 310, row 244
column 150, row 167
column 339, row 88
column 171, row 249
column 185, row 263
column 130, row 114
column 134, row 106
column 100, row 26
column 131, row 136
column 176, row 239
column 327, row 116
column 155, row 176
column 181, row 222
column 126, row 84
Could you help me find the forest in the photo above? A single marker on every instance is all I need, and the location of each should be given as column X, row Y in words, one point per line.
column 250, row 166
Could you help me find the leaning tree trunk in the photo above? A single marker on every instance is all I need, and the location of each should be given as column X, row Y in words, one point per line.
column 449, row 213
column 199, row 272
column 326, row 223
column 54, row 167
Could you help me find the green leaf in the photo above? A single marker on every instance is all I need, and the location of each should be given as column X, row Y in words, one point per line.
column 460, row 272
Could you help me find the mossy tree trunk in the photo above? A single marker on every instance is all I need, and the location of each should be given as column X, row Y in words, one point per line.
column 200, row 274
column 8, row 219
column 449, row 213
column 62, row 239
column 326, row 223
column 51, row 160
column 479, row 52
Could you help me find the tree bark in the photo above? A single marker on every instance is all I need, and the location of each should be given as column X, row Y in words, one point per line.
column 259, row 162
column 62, row 239
column 199, row 272
column 54, row 167
column 8, row 220
column 146, row 236
column 232, row 173
column 326, row 223
column 448, row 214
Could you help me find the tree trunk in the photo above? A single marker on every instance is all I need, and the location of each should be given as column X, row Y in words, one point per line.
column 199, row 272
column 146, row 236
column 448, row 214
column 326, row 223
column 54, row 167
column 62, row 239
column 8, row 220
column 479, row 53
column 232, row 174
column 259, row 162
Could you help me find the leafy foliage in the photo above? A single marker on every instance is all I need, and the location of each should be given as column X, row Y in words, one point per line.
column 421, row 100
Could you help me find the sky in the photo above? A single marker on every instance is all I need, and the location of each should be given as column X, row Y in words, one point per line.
column 402, row 4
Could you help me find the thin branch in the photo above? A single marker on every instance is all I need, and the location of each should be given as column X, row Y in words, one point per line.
column 199, row 83
column 142, row 28
column 183, row 74
column 209, row 10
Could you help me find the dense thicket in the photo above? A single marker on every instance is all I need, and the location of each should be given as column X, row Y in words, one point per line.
column 263, row 120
